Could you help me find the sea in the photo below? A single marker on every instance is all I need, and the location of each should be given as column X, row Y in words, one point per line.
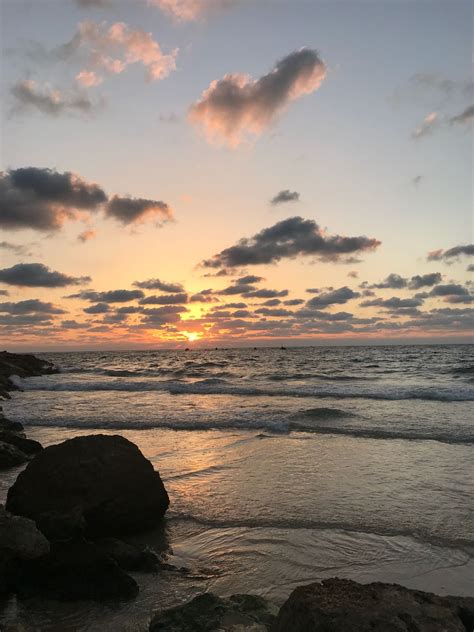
column 283, row 465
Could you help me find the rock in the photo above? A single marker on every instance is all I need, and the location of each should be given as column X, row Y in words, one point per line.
column 341, row 604
column 72, row 571
column 10, row 426
column 105, row 476
column 209, row 613
column 28, row 446
column 19, row 539
column 129, row 557
column 10, row 456
column 22, row 364
column 61, row 525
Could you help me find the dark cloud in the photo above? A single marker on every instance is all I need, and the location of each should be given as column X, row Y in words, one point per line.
column 452, row 293
column 272, row 302
column 30, row 306
column 165, row 299
column 285, row 196
column 394, row 303
column 470, row 267
column 294, row 301
column 157, row 317
column 466, row 116
column 110, row 296
column 393, row 281
column 86, row 235
column 204, row 296
column 98, row 308
column 338, row 296
column 73, row 324
column 156, row 284
column 263, row 293
column 101, row 4
column 237, row 106
column 17, row 249
column 353, row 274
column 274, row 313
column 250, row 279
column 452, row 253
column 42, row 199
column 25, row 320
column 38, row 275
column 424, row 280
column 288, row 239
column 128, row 210
column 28, row 95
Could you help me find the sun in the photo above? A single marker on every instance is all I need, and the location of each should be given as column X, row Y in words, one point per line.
column 192, row 335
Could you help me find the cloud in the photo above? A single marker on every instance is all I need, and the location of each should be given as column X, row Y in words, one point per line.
column 470, row 267
column 452, row 253
column 353, row 274
column 424, row 280
column 285, row 196
column 238, row 106
column 466, row 116
column 452, row 293
column 334, row 297
column 265, row 293
column 288, row 239
column 394, row 303
column 28, row 95
column 417, row 180
column 86, row 235
column 112, row 49
column 156, row 284
column 43, row 199
column 98, row 308
column 94, row 3
column 30, row 306
column 18, row 249
column 88, row 79
column 429, row 124
column 109, row 296
column 129, row 210
column 38, row 275
column 165, row 299
column 159, row 316
column 393, row 281
column 190, row 10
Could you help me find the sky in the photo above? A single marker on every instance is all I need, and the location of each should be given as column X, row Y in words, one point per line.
column 235, row 172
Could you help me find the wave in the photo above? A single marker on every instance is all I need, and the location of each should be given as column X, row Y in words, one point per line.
column 221, row 387
column 262, row 427
column 324, row 413
column 283, row 377
column 467, row 546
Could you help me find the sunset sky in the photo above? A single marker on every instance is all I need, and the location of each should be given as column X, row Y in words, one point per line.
column 235, row 172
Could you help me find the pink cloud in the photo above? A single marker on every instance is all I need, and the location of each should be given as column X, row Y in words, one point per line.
column 238, row 106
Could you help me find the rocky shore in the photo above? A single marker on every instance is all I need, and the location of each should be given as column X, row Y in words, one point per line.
column 64, row 536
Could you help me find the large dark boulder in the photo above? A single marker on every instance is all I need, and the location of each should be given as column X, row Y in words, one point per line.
column 103, row 480
column 341, row 604
column 209, row 613
column 128, row 556
column 72, row 571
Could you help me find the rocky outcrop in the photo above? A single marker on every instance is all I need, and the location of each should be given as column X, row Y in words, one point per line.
column 102, row 479
column 72, row 571
column 10, row 456
column 23, row 365
column 209, row 613
column 27, row 446
column 19, row 540
column 129, row 557
column 341, row 604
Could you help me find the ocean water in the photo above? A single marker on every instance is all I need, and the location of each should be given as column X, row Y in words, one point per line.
column 283, row 466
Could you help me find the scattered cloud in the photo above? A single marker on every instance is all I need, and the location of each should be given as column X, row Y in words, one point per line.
column 466, row 116
column 109, row 296
column 156, row 284
column 165, row 299
column 129, row 210
column 285, row 196
column 29, row 95
column 288, row 239
column 190, row 10
column 111, row 49
column 353, row 274
column 30, row 306
column 44, row 199
column 238, row 106
column 86, row 235
column 452, row 293
column 17, row 249
column 452, row 253
column 98, row 308
column 38, row 275
column 334, row 297
column 424, row 280
column 429, row 124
